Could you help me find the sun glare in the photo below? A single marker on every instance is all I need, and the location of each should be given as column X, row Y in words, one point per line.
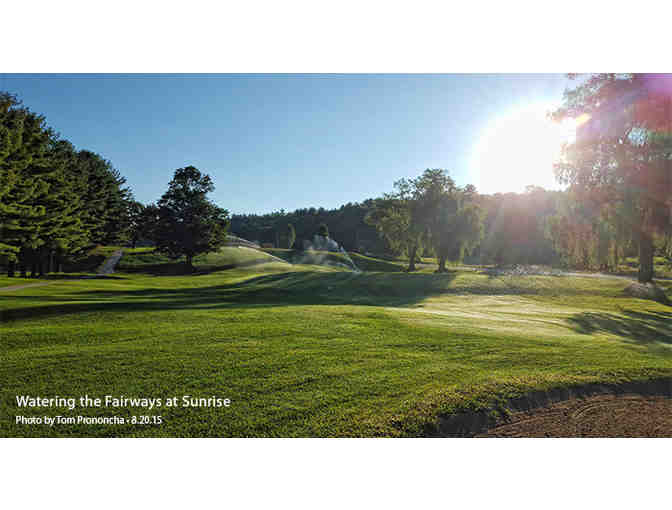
column 518, row 149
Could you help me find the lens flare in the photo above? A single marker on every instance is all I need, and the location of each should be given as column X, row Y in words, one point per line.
column 581, row 120
column 518, row 149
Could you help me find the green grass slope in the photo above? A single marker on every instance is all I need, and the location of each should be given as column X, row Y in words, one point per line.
column 305, row 351
column 150, row 261
column 363, row 262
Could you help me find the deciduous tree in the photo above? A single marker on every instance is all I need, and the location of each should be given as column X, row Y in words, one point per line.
column 623, row 150
column 187, row 223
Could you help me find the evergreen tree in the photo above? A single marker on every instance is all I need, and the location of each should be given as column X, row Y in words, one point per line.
column 24, row 173
column 136, row 227
column 54, row 201
column 65, row 234
column 106, row 212
column 10, row 166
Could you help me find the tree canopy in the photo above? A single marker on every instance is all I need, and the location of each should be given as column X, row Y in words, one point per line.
column 621, row 162
column 429, row 211
column 187, row 223
column 55, row 201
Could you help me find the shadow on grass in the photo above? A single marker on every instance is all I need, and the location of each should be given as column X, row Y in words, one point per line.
column 80, row 277
column 179, row 269
column 292, row 288
column 21, row 280
column 639, row 327
column 279, row 289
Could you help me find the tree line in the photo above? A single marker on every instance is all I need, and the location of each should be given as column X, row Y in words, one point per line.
column 289, row 229
column 537, row 226
column 55, row 201
column 618, row 201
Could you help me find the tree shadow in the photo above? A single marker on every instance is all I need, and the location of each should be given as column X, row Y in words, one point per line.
column 278, row 289
column 632, row 326
column 300, row 288
column 159, row 269
column 80, row 277
column 21, row 280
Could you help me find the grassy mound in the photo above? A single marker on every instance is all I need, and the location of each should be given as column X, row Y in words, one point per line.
column 152, row 262
column 312, row 257
column 365, row 263
column 362, row 262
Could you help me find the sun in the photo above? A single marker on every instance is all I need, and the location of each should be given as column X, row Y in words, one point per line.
column 518, row 149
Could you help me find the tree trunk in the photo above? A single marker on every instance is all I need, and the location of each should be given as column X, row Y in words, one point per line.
column 645, row 257
column 442, row 264
column 40, row 267
column 22, row 268
column 51, row 261
column 189, row 263
column 10, row 269
column 33, row 269
column 411, row 256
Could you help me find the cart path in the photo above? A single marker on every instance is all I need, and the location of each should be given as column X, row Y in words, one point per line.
column 106, row 267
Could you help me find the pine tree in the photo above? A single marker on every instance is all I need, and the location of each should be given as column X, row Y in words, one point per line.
column 24, row 173
column 54, row 201
column 10, row 143
column 65, row 234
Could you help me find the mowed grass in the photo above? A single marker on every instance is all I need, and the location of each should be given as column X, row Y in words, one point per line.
column 662, row 268
column 315, row 351
column 150, row 261
column 85, row 265
column 362, row 262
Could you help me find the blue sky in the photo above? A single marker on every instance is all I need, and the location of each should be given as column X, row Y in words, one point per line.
column 283, row 141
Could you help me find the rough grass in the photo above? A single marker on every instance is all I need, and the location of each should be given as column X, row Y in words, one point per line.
column 314, row 351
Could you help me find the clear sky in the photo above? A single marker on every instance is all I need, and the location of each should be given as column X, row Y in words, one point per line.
column 290, row 141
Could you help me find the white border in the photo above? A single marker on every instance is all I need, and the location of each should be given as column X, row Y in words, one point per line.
column 337, row 473
column 345, row 36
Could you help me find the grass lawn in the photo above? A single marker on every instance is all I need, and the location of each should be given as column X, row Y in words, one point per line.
column 312, row 257
column 661, row 267
column 316, row 351
column 363, row 262
column 150, row 261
